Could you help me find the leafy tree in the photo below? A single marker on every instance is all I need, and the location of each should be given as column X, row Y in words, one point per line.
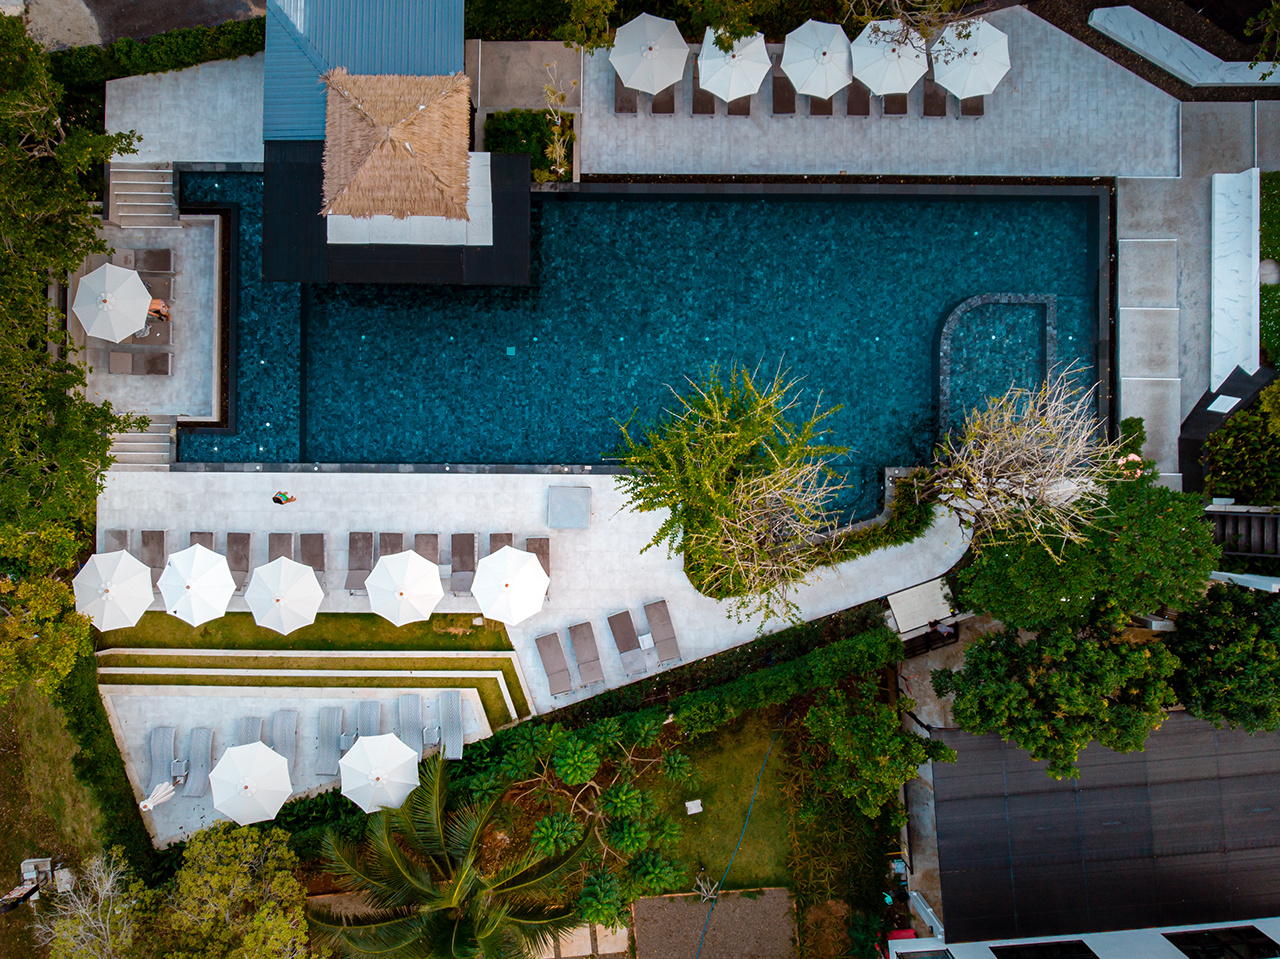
column 99, row 917
column 628, row 836
column 677, row 767
column 1229, row 650
column 650, row 874
column 622, row 799
column 588, row 24
column 873, row 755
column 601, row 899
column 555, row 833
column 1054, row 692
column 575, row 761
column 421, row 870
column 1265, row 25
column 235, row 897
column 1242, row 459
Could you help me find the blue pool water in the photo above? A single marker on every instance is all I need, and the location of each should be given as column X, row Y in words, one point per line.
column 632, row 296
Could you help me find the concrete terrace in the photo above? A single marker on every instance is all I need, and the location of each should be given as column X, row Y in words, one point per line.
column 595, row 572
column 1063, row 110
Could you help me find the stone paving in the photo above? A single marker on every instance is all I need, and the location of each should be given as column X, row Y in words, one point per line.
column 1063, row 110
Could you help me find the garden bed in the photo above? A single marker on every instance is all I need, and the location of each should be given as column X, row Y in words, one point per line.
column 756, row 924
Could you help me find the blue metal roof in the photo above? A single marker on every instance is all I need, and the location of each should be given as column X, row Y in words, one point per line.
column 305, row 38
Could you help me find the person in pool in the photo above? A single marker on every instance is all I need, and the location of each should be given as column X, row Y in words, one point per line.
column 281, row 498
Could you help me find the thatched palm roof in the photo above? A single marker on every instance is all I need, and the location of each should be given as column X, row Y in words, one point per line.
column 396, row 145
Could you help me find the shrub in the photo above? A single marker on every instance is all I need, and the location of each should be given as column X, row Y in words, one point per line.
column 650, row 874
column 628, row 836
column 622, row 799
column 575, row 761
column 1270, row 250
column 522, row 131
column 555, row 834
column 1242, row 460
column 601, row 899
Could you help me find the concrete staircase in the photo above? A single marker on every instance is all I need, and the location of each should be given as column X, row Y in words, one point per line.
column 141, row 195
column 153, row 450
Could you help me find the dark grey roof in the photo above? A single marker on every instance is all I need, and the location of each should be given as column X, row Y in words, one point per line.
column 306, row 38
column 1186, row 832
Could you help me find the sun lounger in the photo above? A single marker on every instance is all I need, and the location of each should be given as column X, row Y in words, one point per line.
column 784, row 93
column 390, row 543
column 279, row 545
column 704, row 104
column 162, row 740
column 894, row 104
column 159, row 285
column 201, row 756
column 554, row 664
column 935, row 98
column 451, row 723
column 119, row 363
column 664, row 102
column 821, row 108
column 359, row 560
column 427, row 545
column 462, row 572
column 410, row 729
column 248, row 730
column 662, row 632
column 156, row 333
column 583, row 638
column 624, row 98
column 741, row 107
column 311, row 550
column 540, row 546
column 628, row 642
column 153, row 552
column 369, row 718
column 238, row 557
column 330, row 734
column 178, row 771
column 151, row 261
column 284, row 734
column 115, row 539
column 201, row 539
column 152, row 364
column 499, row 540
column 973, row 107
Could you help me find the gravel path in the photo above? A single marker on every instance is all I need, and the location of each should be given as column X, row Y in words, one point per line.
column 751, row 925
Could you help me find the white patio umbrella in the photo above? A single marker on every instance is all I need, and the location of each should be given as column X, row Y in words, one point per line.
column 113, row 590
column 196, row 585
column 111, row 303
column 817, row 59
column 973, row 65
column 510, row 585
column 404, row 588
column 250, row 783
column 737, row 73
column 378, row 772
column 649, row 54
column 284, row 595
column 883, row 62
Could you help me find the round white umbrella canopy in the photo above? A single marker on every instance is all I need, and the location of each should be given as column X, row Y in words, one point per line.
column 884, row 64
column 737, row 73
column 510, row 585
column 378, row 772
column 404, row 588
column 250, row 783
column 284, row 595
column 817, row 59
column 196, row 585
column 649, row 54
column 111, row 303
column 971, row 66
column 113, row 590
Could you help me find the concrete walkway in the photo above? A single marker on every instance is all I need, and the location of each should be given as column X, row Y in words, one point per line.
column 595, row 572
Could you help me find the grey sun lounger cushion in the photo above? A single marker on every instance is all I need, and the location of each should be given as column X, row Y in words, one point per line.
column 162, row 741
column 152, row 364
column 278, row 545
column 628, row 642
column 390, row 543
column 311, row 550
column 201, row 756
column 248, row 730
column 499, row 540
column 359, row 559
column 153, row 261
column 741, row 107
column 624, row 98
column 115, row 539
column 369, row 718
column 540, row 546
column 554, row 664
column 583, row 638
column 894, row 104
column 664, row 102
column 451, row 723
column 204, row 539
column 821, row 108
column 784, row 93
column 859, row 102
column 284, row 734
column 330, row 741
column 409, row 706
column 704, row 104
column 973, row 106
column 935, row 99
column 238, row 557
column 663, row 633
column 462, row 572
column 427, row 545
column 153, row 552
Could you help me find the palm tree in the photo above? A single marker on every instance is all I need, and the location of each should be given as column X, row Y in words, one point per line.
column 418, row 869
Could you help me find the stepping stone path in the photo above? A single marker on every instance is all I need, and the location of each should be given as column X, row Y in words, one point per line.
column 587, row 941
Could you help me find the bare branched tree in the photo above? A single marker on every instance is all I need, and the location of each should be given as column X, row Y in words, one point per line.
column 919, row 21
column 96, row 918
column 1032, row 461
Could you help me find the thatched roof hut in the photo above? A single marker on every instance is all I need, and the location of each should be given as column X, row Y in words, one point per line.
column 396, row 145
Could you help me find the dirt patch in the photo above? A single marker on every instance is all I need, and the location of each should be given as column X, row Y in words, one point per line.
column 826, row 930
column 144, row 18
column 758, row 924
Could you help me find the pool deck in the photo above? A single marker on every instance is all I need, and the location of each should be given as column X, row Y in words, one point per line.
column 595, row 572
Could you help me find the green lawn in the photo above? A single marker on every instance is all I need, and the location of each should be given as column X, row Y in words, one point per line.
column 330, row 631
column 728, row 762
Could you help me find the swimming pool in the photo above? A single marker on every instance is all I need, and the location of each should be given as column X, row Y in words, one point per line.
column 632, row 295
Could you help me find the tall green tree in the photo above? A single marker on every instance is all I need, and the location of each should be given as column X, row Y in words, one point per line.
column 431, row 892
column 1229, row 650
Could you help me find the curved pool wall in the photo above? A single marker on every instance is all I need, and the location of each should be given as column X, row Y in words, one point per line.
column 636, row 287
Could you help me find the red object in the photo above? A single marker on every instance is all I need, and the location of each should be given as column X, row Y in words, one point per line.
column 902, row 934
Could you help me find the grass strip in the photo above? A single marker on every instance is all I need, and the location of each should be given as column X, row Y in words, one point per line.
column 330, row 632
column 495, row 706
